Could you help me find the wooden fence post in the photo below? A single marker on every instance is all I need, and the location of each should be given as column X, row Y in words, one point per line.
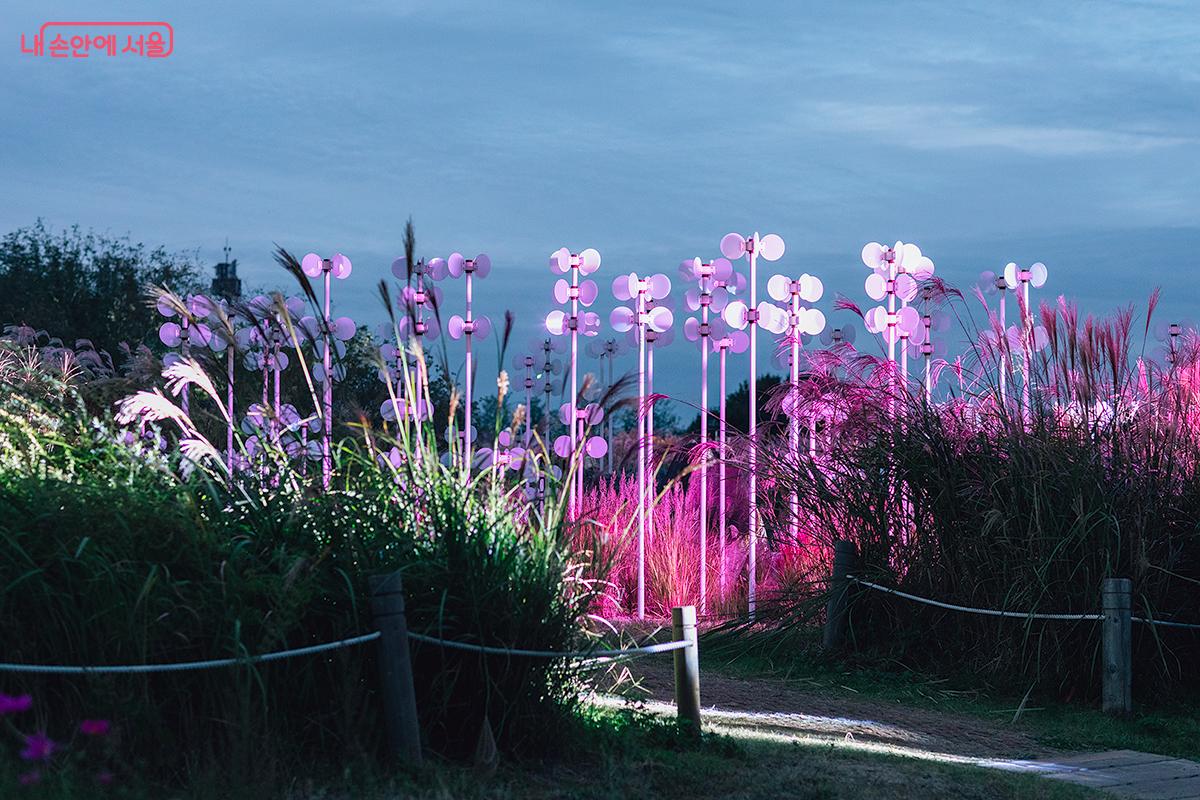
column 1117, row 685
column 845, row 561
column 687, row 667
column 395, row 669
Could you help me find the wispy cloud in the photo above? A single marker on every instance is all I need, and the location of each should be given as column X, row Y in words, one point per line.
column 955, row 127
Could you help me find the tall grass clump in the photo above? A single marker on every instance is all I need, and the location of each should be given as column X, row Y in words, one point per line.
column 128, row 541
column 1087, row 471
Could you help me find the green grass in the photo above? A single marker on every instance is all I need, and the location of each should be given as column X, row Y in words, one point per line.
column 618, row 754
column 1168, row 730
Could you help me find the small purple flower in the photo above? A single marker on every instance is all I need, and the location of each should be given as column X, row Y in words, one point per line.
column 105, row 777
column 13, row 704
column 30, row 778
column 94, row 727
column 38, row 747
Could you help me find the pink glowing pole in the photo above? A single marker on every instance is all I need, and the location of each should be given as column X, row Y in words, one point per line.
column 721, row 434
column 1021, row 279
column 894, row 274
column 641, row 319
column 704, row 297
column 339, row 266
column 990, row 283
column 574, row 293
column 734, row 246
column 801, row 322
column 661, row 336
column 464, row 328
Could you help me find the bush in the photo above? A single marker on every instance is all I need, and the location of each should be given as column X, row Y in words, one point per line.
column 108, row 556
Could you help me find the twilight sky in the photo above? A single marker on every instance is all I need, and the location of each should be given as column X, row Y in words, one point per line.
column 1062, row 132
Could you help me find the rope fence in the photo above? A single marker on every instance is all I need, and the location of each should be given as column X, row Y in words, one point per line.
column 1116, row 618
column 991, row 612
column 183, row 666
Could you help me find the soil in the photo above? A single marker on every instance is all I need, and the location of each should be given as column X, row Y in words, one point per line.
column 776, row 706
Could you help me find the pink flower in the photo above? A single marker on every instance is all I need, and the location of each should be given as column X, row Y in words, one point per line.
column 94, row 727
column 12, row 704
column 38, row 747
column 30, row 778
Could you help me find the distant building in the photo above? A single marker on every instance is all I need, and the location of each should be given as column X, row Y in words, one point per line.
column 227, row 284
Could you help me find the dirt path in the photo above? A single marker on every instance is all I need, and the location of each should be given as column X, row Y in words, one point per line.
column 776, row 706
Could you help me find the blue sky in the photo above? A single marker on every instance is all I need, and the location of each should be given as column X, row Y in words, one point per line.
column 985, row 132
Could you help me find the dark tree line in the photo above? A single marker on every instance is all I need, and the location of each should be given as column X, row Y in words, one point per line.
column 77, row 284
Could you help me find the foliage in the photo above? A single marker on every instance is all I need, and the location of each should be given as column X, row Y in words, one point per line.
column 86, row 285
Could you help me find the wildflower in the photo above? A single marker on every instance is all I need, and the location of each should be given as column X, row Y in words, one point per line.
column 105, row 777
column 94, row 727
column 38, row 747
column 30, row 778
column 13, row 704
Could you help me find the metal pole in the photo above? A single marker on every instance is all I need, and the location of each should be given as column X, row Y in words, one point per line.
column 466, row 432
column 752, row 528
column 721, row 474
column 641, row 328
column 327, row 364
column 703, row 448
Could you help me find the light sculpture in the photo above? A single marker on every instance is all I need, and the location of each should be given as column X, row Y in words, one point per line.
column 890, row 280
column 416, row 299
column 738, row 315
column 993, row 285
column 802, row 322
column 924, row 344
column 705, row 297
column 574, row 293
column 734, row 341
column 181, row 334
column 606, row 352
column 1031, row 337
column 526, row 362
column 641, row 318
column 466, row 328
column 586, row 419
column 337, row 267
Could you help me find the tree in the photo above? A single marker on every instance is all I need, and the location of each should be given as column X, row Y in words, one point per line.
column 87, row 285
column 737, row 407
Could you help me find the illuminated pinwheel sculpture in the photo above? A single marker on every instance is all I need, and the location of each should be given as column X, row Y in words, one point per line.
column 1032, row 337
column 574, row 293
column 641, row 318
column 1169, row 334
column 336, row 267
column 526, row 364
column 992, row 285
column 417, row 298
column 586, row 419
column 802, row 322
column 551, row 366
column 734, row 341
column 704, row 297
column 226, row 326
column 181, row 334
column 739, row 315
column 466, row 328
column 891, row 281
column 606, row 352
column 924, row 344
column 655, row 339
column 505, row 454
